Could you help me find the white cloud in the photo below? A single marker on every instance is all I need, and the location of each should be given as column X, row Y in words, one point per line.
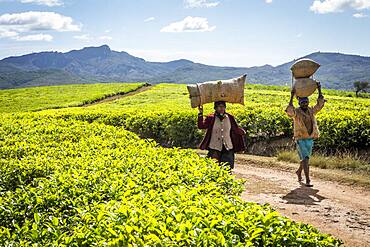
column 88, row 38
column 359, row 15
column 189, row 24
column 49, row 3
column 25, row 26
column 7, row 34
column 32, row 37
column 200, row 4
column 105, row 38
column 149, row 19
column 84, row 37
column 35, row 37
column 332, row 6
column 36, row 21
column 268, row 1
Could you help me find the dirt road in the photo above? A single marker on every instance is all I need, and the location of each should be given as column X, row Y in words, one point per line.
column 334, row 208
column 118, row 96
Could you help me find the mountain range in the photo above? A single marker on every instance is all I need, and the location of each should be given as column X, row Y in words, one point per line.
column 101, row 64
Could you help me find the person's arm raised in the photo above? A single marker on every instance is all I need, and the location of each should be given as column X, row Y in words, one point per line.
column 292, row 93
column 290, row 109
column 320, row 100
column 202, row 124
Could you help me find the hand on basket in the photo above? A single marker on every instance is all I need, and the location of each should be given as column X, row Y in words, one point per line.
column 318, row 85
column 292, row 93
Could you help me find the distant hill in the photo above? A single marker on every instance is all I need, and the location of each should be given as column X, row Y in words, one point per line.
column 101, row 64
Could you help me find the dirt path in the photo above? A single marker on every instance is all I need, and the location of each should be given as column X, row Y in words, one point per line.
column 118, row 96
column 337, row 209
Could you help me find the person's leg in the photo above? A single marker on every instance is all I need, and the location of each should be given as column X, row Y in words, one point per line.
column 214, row 154
column 308, row 144
column 228, row 156
column 301, row 158
column 299, row 171
column 304, row 147
column 306, row 169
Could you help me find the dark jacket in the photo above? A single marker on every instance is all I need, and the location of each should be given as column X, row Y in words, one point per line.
column 237, row 134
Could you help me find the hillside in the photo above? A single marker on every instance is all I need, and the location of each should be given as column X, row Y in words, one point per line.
column 101, row 64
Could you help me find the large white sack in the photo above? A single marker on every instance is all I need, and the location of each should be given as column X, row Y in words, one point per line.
column 304, row 87
column 231, row 91
column 304, row 68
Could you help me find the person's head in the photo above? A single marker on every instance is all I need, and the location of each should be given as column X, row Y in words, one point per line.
column 220, row 107
column 303, row 102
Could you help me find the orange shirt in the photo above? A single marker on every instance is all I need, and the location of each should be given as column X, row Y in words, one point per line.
column 304, row 121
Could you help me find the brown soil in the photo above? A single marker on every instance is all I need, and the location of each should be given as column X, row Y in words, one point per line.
column 332, row 207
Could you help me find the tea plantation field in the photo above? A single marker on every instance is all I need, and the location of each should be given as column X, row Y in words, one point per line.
column 81, row 177
column 163, row 113
column 38, row 98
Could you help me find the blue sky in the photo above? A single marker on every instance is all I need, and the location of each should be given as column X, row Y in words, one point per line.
column 216, row 32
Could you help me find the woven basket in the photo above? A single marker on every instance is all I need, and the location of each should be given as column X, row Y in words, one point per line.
column 304, row 68
column 231, row 91
column 304, row 87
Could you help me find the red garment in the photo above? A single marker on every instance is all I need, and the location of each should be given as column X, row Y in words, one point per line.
column 237, row 134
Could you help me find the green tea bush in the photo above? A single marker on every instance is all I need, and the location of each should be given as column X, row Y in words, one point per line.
column 65, row 182
column 163, row 113
column 48, row 97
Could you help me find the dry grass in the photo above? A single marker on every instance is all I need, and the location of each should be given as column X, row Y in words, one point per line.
column 335, row 175
column 343, row 161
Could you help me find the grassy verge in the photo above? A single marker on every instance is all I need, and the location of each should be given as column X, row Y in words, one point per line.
column 330, row 174
column 336, row 175
column 344, row 161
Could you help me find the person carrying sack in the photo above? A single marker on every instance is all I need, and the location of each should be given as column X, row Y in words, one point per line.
column 223, row 137
column 305, row 129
